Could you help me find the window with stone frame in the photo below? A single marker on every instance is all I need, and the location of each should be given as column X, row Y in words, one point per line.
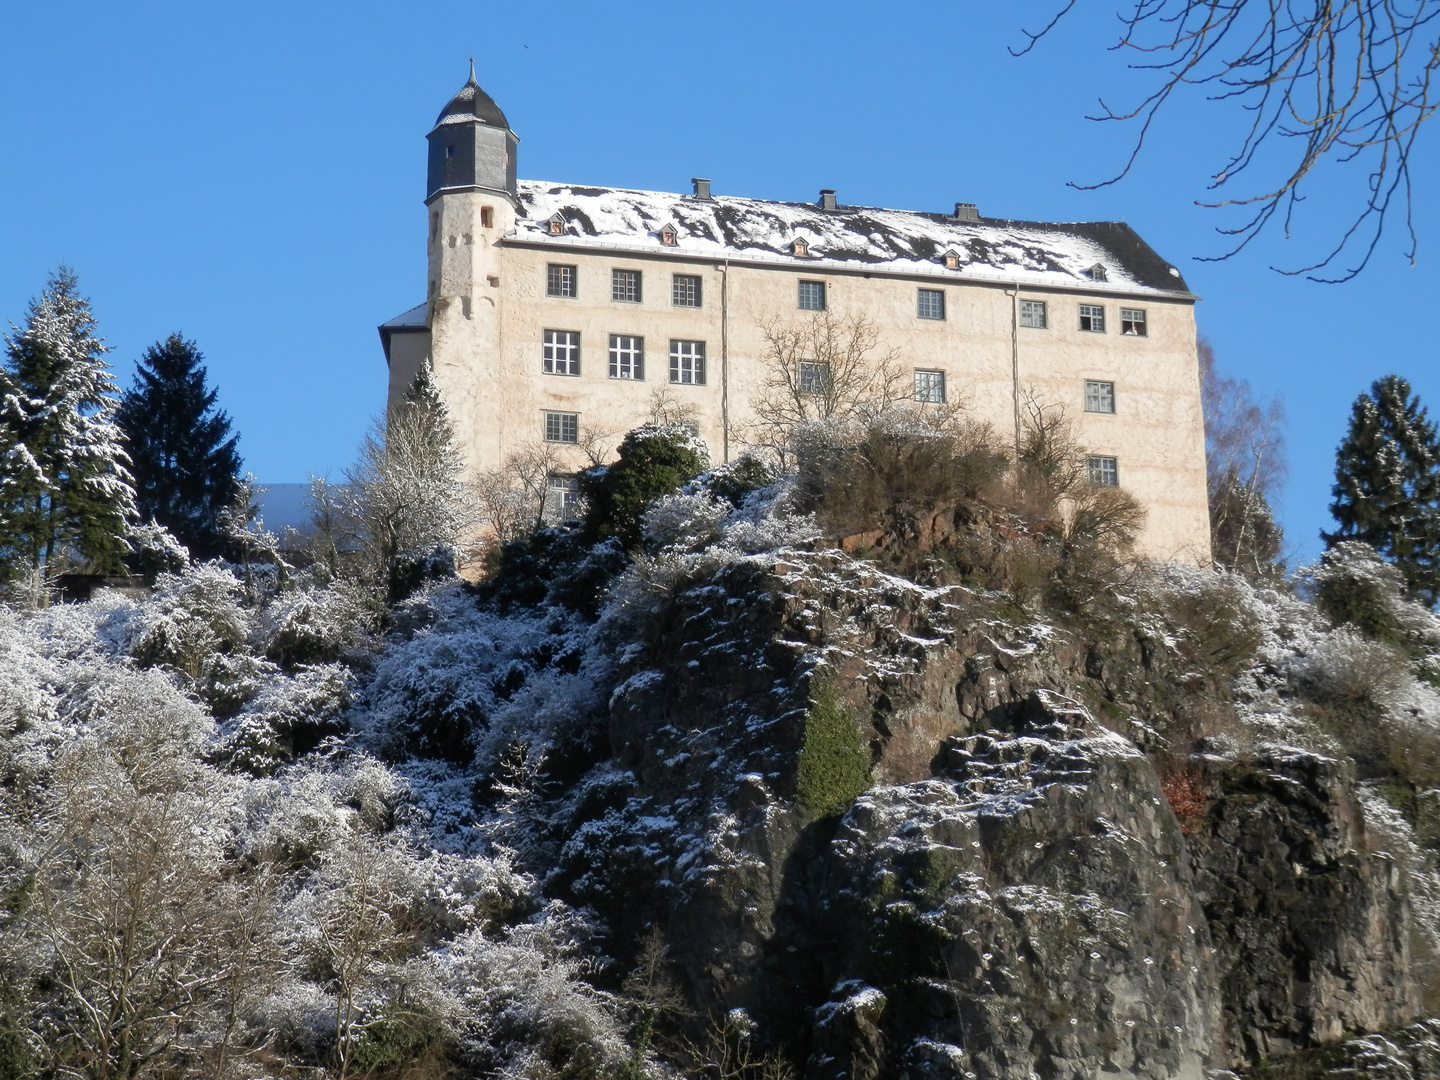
column 562, row 427
column 561, row 352
column 625, row 286
column 1092, row 318
column 812, row 296
column 1099, row 396
column 814, row 377
column 930, row 303
column 685, row 290
column 930, row 387
column 560, row 280
column 1132, row 322
column 1103, row 471
column 627, row 357
column 1034, row 315
column 687, row 362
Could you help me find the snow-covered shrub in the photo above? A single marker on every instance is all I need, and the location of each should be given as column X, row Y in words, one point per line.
column 316, row 625
column 155, row 551
column 191, row 617
column 1353, row 584
column 653, row 460
column 287, row 716
column 1347, row 668
column 684, row 521
column 735, row 480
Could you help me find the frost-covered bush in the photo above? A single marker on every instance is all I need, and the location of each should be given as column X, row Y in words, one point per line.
column 653, row 460
column 1347, row 668
column 287, row 716
column 191, row 617
column 1353, row 584
column 155, row 551
column 684, row 521
column 314, row 625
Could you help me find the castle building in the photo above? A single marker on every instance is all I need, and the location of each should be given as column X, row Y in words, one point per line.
column 554, row 309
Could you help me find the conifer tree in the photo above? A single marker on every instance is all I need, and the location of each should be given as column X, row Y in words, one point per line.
column 65, row 486
column 181, row 451
column 1387, row 484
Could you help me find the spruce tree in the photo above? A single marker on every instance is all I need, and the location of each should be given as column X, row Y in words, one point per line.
column 65, row 486
column 181, row 450
column 1387, row 484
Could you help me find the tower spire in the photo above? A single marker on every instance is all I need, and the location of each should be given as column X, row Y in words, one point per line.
column 472, row 70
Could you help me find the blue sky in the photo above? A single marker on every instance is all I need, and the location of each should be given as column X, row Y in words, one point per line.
column 252, row 175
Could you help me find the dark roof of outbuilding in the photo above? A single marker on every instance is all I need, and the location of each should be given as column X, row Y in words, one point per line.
column 472, row 103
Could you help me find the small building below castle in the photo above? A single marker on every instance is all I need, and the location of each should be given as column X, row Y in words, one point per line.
column 555, row 311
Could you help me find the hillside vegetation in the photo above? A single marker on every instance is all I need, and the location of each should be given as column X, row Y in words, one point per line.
column 896, row 765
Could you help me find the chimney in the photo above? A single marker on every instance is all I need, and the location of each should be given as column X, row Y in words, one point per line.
column 702, row 188
column 965, row 211
column 827, row 199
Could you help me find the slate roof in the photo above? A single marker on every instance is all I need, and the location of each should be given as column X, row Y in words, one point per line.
column 866, row 238
column 470, row 104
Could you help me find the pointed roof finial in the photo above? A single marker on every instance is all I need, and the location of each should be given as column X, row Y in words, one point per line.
column 472, row 69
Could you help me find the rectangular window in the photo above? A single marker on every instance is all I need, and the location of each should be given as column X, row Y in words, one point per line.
column 625, row 286
column 931, row 304
column 1099, row 396
column 562, row 352
column 559, row 280
column 687, row 362
column 563, row 427
column 814, row 377
column 627, row 356
column 930, row 387
column 686, row 290
column 562, row 498
column 1132, row 321
column 1032, row 314
column 812, row 296
column 1103, row 471
column 1092, row 318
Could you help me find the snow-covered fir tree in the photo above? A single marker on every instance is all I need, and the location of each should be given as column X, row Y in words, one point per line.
column 65, row 484
column 1387, row 484
column 181, row 450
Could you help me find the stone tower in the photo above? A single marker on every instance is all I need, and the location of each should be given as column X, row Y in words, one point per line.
column 470, row 193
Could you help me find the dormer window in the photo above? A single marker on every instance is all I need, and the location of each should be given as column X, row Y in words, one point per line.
column 1097, row 272
column 557, row 225
column 668, row 236
column 952, row 260
column 800, row 248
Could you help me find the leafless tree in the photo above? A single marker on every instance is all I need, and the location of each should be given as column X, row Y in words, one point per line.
column 823, row 369
column 1326, row 80
column 512, row 500
column 1245, row 468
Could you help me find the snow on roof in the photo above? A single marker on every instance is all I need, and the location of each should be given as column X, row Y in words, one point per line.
column 854, row 237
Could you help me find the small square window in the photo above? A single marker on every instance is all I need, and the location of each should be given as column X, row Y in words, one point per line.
column 559, row 280
column 814, row 377
column 685, row 290
column 625, row 286
column 930, row 387
column 562, row 427
column 812, row 296
column 561, row 354
column 1032, row 314
column 562, row 496
column 1103, row 471
column 1092, row 318
column 1132, row 322
column 1099, row 396
column 627, row 356
column 687, row 362
column 931, row 304
column 487, row 217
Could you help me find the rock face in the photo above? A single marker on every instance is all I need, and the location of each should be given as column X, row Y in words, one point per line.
column 1015, row 897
